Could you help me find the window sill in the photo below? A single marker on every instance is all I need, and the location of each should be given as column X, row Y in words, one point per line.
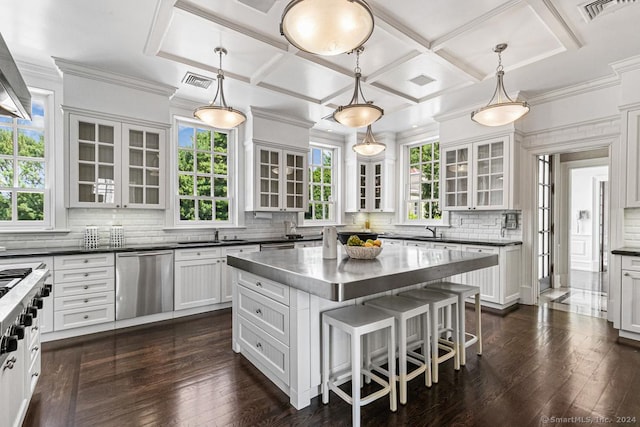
column 35, row 231
column 320, row 224
column 203, row 227
column 423, row 224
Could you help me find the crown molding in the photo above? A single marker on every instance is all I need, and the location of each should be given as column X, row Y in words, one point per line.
column 81, row 70
column 572, row 126
column 36, row 70
column 275, row 116
column 578, row 89
column 430, row 131
column 628, row 64
column 321, row 135
column 184, row 103
column 114, row 117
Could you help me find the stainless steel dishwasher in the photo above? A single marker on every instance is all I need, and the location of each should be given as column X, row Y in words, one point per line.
column 144, row 283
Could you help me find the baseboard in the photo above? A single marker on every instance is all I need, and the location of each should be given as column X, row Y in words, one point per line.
column 498, row 311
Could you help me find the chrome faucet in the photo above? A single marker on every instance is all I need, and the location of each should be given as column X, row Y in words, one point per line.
column 216, row 235
column 432, row 230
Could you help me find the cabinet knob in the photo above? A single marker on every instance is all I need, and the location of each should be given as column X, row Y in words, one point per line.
column 627, row 274
column 479, row 250
column 117, row 206
column 258, row 284
column 259, row 346
column 86, row 316
column 86, row 301
column 86, row 261
column 124, row 206
column 86, row 274
column 86, row 286
column 259, row 312
column 198, row 254
column 35, row 374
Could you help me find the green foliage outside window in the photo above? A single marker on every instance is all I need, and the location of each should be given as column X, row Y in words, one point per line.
column 22, row 167
column 424, row 182
column 321, row 184
column 203, row 174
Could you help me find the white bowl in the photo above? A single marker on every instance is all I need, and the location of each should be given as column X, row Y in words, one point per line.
column 361, row 252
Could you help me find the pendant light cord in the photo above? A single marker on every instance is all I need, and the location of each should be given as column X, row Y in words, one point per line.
column 220, row 78
column 357, row 91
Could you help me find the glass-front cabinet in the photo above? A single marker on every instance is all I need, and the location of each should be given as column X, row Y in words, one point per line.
column 115, row 164
column 281, row 180
column 477, row 175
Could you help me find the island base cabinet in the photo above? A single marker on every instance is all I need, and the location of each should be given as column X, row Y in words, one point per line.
column 630, row 296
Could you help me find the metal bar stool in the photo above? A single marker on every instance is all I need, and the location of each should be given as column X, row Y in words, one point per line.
column 358, row 321
column 436, row 301
column 404, row 309
column 463, row 292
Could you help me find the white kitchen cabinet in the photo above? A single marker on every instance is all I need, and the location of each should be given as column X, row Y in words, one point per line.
column 197, row 277
column 84, row 289
column 280, row 179
column 308, row 244
column 633, row 159
column 479, row 175
column 372, row 190
column 225, row 276
column 630, row 295
column 115, row 164
column 13, row 404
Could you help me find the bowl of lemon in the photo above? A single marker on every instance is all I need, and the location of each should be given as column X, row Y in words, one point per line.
column 360, row 249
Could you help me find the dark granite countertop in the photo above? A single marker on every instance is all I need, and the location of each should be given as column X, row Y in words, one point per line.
column 496, row 242
column 626, row 251
column 70, row 250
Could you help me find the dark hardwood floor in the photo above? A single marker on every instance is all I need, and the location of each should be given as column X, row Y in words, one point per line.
column 536, row 363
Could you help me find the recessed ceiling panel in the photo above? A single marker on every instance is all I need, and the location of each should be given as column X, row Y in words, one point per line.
column 435, row 18
column 195, row 39
column 420, row 77
column 306, row 78
column 379, row 97
column 528, row 37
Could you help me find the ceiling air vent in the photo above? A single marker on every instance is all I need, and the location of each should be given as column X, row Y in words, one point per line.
column 263, row 6
column 421, row 80
column 592, row 9
column 197, row 80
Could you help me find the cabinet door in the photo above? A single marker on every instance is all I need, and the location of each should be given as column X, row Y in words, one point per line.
column 376, row 187
column 456, row 165
column 490, row 177
column 630, row 297
column 295, row 188
column 94, row 147
column 197, row 283
column 363, row 185
column 487, row 278
column 633, row 159
column 268, row 179
column 143, row 167
column 12, row 372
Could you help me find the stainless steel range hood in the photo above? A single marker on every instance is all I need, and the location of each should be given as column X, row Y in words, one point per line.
column 15, row 99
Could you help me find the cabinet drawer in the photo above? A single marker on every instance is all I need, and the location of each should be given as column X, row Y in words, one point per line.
column 267, row 314
column 274, row 290
column 87, row 300
column 482, row 249
column 197, row 253
column 269, row 351
column 81, row 261
column 631, row 263
column 78, row 317
column 241, row 250
column 84, row 287
column 417, row 244
column 448, row 246
column 84, row 274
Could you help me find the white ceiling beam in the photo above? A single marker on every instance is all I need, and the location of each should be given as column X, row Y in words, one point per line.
column 267, row 68
column 376, row 75
column 316, row 59
column 473, row 24
column 380, row 86
column 234, row 26
column 161, row 22
column 197, row 64
column 289, row 92
column 556, row 23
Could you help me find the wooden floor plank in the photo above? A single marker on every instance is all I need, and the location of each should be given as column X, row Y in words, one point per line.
column 536, row 363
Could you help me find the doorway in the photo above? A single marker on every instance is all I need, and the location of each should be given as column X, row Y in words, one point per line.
column 573, row 236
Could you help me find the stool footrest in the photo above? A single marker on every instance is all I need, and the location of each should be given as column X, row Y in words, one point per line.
column 363, row 400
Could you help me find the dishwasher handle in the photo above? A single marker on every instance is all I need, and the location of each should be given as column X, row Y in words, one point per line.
column 141, row 254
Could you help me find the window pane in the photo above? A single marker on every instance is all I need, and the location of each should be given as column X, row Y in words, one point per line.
column 204, row 186
column 6, row 140
column 426, row 153
column 6, row 173
column 414, row 155
column 30, row 206
column 187, row 210
column 203, row 140
column 30, row 174
column 86, row 131
column 204, row 162
column 105, row 134
column 220, row 164
column 326, row 193
column 30, row 143
column 326, row 174
column 220, row 142
column 185, row 185
column 220, row 187
column 5, row 206
column 316, row 155
column 185, row 161
column 37, row 115
column 222, row 210
column 316, row 174
column 326, row 157
column 185, row 136
column 205, row 210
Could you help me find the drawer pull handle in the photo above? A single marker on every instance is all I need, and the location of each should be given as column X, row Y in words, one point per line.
column 259, row 346
column 86, row 274
column 86, row 316
column 479, row 250
column 627, row 274
column 86, row 286
column 35, row 328
column 258, row 284
column 86, row 261
column 259, row 312
column 36, row 348
column 35, row 374
column 86, row 301
column 198, row 254
column 8, row 365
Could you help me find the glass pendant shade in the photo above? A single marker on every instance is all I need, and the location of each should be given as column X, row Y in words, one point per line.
column 501, row 109
column 220, row 116
column 327, row 27
column 369, row 146
column 358, row 114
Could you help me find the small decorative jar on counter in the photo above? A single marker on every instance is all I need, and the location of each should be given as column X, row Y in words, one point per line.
column 116, row 236
column 91, row 237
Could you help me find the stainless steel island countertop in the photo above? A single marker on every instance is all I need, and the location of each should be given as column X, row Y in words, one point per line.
column 344, row 278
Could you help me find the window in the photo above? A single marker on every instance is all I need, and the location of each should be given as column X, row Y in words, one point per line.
column 203, row 175
column 23, row 167
column 422, row 178
column 322, row 177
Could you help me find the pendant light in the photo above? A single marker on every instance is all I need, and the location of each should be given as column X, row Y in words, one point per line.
column 369, row 146
column 327, row 27
column 501, row 109
column 220, row 116
column 358, row 114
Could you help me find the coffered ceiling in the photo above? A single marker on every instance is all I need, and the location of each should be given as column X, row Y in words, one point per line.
column 424, row 58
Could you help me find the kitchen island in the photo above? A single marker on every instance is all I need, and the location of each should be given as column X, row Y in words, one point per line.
column 278, row 297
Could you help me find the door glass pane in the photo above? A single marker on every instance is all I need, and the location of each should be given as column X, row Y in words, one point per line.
column 105, row 134
column 135, row 157
column 153, row 196
column 153, row 141
column 136, row 176
column 86, row 131
column 105, row 154
column 136, row 138
column 136, row 195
